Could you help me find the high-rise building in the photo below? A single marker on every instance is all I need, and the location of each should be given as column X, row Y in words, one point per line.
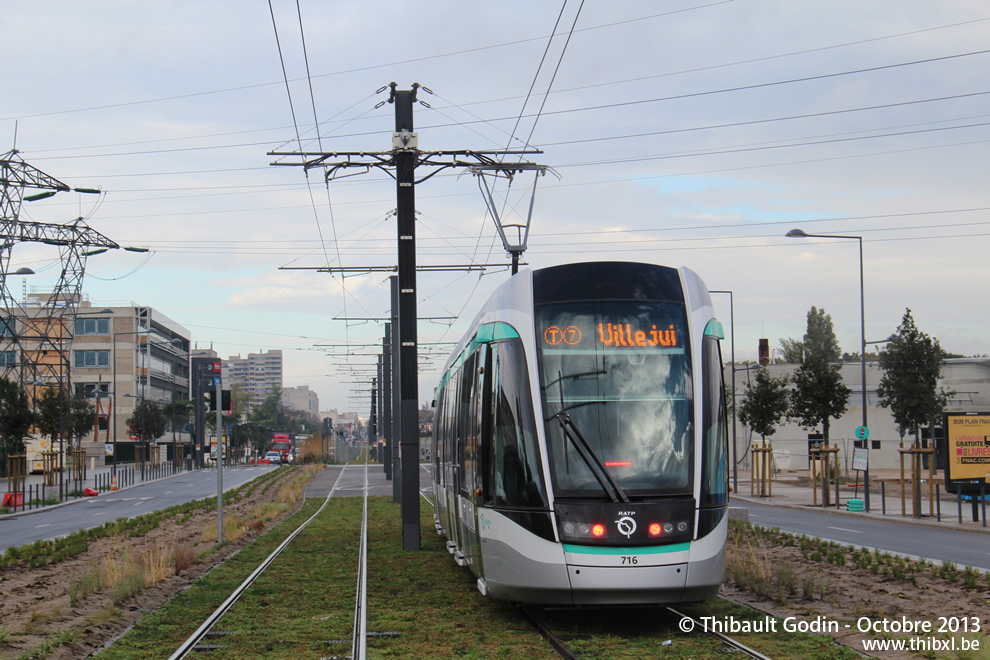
column 302, row 398
column 256, row 374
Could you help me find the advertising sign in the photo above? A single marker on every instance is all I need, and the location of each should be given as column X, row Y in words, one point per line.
column 967, row 448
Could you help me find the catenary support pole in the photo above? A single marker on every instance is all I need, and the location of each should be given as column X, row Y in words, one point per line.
column 219, row 461
column 387, row 400
column 406, row 157
column 396, row 399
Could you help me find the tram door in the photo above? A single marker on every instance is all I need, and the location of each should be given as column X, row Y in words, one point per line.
column 476, row 376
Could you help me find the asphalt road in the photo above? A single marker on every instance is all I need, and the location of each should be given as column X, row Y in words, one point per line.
column 91, row 512
column 963, row 548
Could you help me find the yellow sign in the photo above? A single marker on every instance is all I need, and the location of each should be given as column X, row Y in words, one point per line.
column 968, row 446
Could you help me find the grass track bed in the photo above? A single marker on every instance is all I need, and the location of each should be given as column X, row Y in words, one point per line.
column 304, row 605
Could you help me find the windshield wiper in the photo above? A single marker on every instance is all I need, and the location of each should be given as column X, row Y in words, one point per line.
column 611, row 488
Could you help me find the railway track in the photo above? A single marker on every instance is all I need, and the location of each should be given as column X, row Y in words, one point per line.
column 197, row 641
column 559, row 641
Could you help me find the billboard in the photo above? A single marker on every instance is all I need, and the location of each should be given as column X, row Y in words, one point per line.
column 967, row 445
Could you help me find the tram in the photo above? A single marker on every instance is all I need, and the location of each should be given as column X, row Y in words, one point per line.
column 580, row 441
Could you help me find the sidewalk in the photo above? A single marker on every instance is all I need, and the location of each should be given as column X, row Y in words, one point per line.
column 792, row 489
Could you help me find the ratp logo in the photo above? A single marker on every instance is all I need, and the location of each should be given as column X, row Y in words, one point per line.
column 626, row 526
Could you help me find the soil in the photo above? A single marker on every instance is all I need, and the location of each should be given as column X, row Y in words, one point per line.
column 35, row 603
column 844, row 594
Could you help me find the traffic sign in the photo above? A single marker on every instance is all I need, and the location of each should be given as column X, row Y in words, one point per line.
column 862, row 433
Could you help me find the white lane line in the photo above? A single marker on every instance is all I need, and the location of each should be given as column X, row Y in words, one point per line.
column 101, row 513
column 843, row 529
column 45, row 525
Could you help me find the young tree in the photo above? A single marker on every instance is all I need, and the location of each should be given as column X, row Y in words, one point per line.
column 148, row 421
column 16, row 417
column 51, row 416
column 764, row 404
column 912, row 366
column 819, row 393
column 80, row 419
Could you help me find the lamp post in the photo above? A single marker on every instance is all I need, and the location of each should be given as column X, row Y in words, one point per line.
column 141, row 440
column 799, row 233
column 113, row 363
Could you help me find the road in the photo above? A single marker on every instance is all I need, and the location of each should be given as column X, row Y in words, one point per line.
column 963, row 548
column 91, row 512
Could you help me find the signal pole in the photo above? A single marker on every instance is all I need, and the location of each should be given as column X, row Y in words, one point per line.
column 404, row 158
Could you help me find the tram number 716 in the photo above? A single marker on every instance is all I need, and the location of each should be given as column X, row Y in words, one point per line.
column 630, row 560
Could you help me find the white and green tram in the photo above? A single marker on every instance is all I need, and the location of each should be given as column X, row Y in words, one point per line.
column 580, row 443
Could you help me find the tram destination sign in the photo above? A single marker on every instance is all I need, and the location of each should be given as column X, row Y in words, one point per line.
column 623, row 328
column 967, row 448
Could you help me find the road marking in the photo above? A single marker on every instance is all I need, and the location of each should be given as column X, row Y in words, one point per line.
column 101, row 513
column 45, row 525
column 843, row 529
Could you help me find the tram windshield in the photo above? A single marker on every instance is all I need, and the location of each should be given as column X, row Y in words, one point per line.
column 617, row 395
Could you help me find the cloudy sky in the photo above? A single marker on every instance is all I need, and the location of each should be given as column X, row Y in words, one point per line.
column 680, row 133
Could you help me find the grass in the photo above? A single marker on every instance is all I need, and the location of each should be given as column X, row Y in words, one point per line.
column 304, row 605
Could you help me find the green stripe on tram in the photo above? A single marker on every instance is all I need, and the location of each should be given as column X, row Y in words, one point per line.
column 647, row 550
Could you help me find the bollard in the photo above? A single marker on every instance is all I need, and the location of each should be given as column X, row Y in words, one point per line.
column 883, row 497
column 959, row 503
column 983, row 501
column 938, row 503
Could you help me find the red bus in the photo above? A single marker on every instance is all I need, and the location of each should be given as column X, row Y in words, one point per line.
column 282, row 443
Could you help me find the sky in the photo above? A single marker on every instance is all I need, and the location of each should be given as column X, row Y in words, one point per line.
column 680, row 133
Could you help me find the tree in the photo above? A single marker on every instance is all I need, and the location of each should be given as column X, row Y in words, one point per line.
column 16, row 417
column 819, row 393
column 148, row 421
column 80, row 418
column 912, row 365
column 764, row 404
column 792, row 350
column 50, row 419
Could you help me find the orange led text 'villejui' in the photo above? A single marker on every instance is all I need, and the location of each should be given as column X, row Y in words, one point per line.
column 624, row 335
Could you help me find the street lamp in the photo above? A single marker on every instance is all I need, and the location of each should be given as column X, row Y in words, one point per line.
column 800, row 233
column 113, row 363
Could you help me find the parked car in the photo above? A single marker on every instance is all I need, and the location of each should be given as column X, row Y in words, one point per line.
column 272, row 458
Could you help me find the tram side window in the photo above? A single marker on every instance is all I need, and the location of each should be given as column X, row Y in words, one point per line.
column 465, row 424
column 439, row 430
column 450, row 437
column 714, row 467
column 518, row 477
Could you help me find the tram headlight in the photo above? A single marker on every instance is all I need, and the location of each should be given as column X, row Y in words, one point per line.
column 682, row 527
column 668, row 528
column 656, row 529
column 584, row 531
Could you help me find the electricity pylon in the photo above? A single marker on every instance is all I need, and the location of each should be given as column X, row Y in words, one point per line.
column 39, row 347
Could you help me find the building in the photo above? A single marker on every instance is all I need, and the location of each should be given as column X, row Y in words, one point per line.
column 115, row 356
column 967, row 378
column 303, row 399
column 256, row 374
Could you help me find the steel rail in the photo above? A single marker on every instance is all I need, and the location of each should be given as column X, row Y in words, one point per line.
column 739, row 646
column 359, row 642
column 211, row 621
column 555, row 642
